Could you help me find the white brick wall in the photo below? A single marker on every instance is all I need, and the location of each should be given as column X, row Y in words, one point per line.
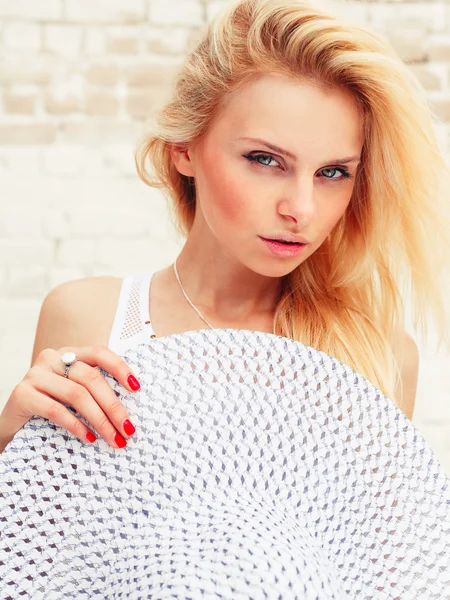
column 78, row 83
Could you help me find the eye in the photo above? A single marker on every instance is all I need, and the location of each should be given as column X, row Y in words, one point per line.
column 344, row 174
column 256, row 157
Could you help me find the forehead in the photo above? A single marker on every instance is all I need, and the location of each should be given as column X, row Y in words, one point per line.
column 291, row 112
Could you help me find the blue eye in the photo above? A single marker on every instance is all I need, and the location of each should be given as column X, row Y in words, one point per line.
column 345, row 174
column 255, row 158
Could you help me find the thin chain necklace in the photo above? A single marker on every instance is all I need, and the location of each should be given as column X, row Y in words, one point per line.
column 192, row 304
column 187, row 297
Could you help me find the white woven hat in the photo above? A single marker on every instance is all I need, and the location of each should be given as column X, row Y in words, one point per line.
column 260, row 468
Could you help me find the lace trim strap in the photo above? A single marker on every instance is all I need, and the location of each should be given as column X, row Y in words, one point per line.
column 132, row 311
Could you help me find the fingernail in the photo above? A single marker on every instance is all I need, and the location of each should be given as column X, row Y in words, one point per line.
column 128, row 427
column 90, row 437
column 133, row 382
column 120, row 441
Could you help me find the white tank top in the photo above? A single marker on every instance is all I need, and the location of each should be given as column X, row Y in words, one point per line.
column 131, row 323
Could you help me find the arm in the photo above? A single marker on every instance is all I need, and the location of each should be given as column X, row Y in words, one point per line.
column 75, row 313
column 409, row 367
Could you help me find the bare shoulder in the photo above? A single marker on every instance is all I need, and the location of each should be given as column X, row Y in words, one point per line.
column 408, row 358
column 79, row 312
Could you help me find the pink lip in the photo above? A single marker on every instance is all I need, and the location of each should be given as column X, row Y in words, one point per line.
column 280, row 249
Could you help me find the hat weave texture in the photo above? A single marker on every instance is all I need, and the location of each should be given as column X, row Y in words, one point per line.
column 261, row 468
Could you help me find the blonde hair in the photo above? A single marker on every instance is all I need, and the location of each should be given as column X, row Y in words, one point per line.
column 347, row 298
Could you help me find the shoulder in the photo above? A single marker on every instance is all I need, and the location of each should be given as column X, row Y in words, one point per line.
column 408, row 360
column 79, row 312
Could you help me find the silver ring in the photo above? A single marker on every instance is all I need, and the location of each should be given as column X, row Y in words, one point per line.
column 68, row 359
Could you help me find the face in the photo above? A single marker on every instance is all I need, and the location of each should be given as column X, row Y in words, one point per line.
column 247, row 190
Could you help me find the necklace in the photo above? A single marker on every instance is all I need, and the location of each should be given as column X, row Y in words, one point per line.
column 192, row 304
column 187, row 297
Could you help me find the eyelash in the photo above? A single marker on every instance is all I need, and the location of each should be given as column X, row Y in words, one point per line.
column 253, row 158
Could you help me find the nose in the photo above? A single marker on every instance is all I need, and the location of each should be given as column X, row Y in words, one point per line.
column 298, row 201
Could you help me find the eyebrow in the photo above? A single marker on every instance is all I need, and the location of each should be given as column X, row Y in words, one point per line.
column 345, row 160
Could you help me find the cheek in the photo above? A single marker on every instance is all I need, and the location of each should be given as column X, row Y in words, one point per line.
column 226, row 198
column 332, row 215
column 229, row 205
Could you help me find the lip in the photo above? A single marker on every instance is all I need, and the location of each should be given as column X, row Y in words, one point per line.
column 288, row 237
column 283, row 250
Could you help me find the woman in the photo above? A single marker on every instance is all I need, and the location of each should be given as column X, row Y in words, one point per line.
column 299, row 156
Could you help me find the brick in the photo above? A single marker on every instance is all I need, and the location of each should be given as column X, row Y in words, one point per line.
column 55, row 225
column 435, row 376
column 62, row 160
column 440, row 52
column 352, row 11
column 58, row 275
column 87, row 222
column 20, row 186
column 36, row 133
column 75, row 253
column 60, row 104
column 64, row 40
column 441, row 108
column 94, row 41
column 22, row 36
column 122, row 45
column 124, row 252
column 436, row 432
column 173, row 41
column 27, row 281
column 214, row 7
column 442, row 131
column 103, row 74
column 102, row 270
column 101, row 104
column 93, row 132
column 16, row 364
column 93, row 163
column 19, row 222
column 43, row 10
column 17, row 252
column 15, row 344
column 22, row 314
column 428, row 79
column 119, row 159
column 19, row 102
column 14, row 157
column 105, row 11
column 28, row 69
column 152, row 74
column 186, row 13
column 140, row 104
column 129, row 222
column 411, row 45
column 431, row 16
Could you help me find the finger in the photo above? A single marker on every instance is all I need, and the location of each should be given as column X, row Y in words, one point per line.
column 111, row 362
column 70, row 392
column 94, row 381
column 94, row 356
column 41, row 404
column 104, row 395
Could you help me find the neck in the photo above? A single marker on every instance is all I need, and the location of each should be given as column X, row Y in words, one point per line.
column 231, row 294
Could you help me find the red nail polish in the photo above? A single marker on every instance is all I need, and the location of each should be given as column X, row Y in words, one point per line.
column 90, row 437
column 128, row 427
column 120, row 441
column 133, row 382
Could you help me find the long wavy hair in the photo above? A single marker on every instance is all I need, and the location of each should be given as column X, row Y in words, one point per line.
column 348, row 298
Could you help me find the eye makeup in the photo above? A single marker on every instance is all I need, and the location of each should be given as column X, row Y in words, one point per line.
column 255, row 156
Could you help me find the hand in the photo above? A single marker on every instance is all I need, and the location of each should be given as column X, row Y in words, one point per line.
column 44, row 391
